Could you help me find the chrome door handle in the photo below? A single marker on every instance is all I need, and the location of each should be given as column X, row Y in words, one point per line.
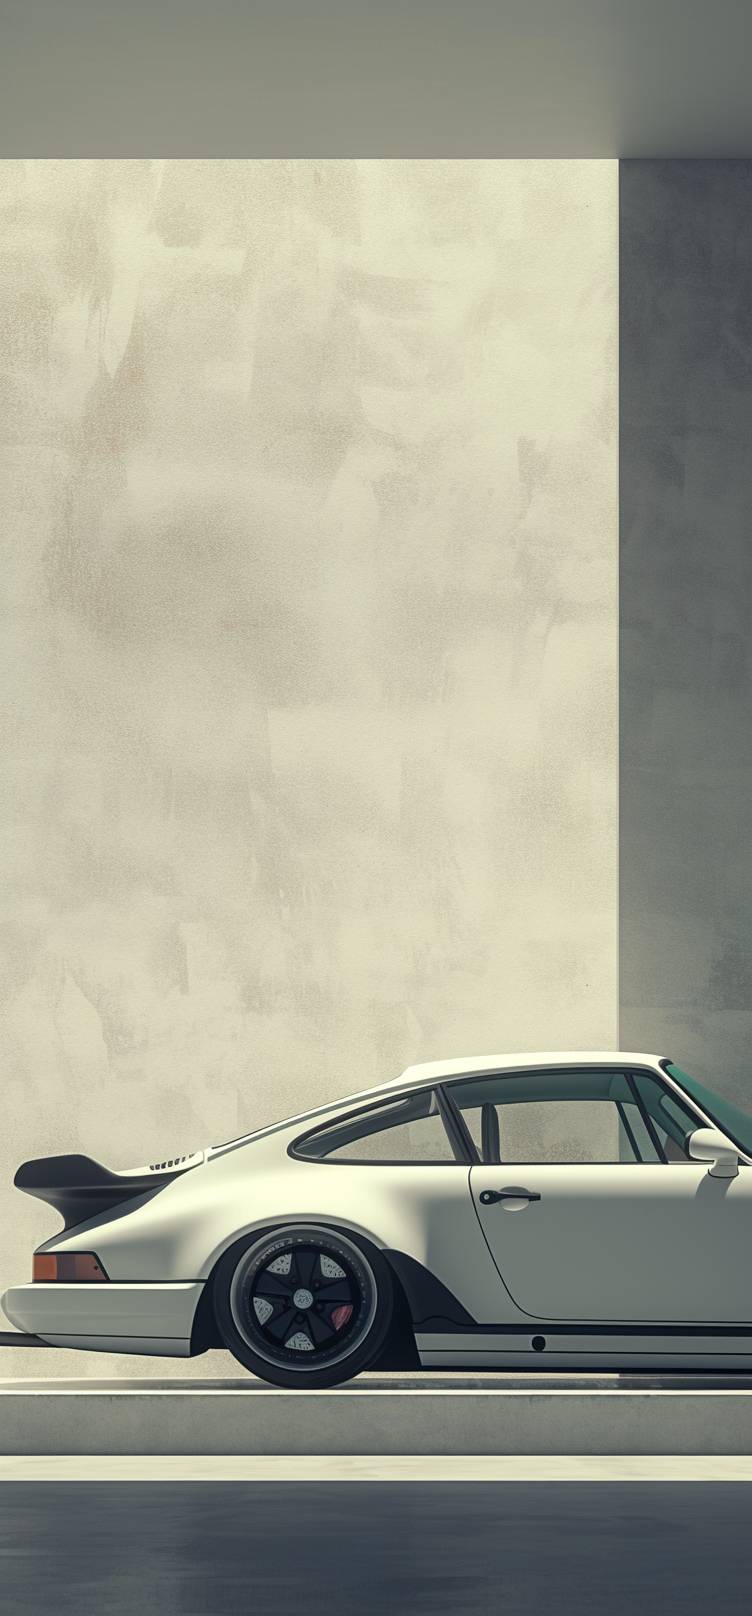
column 512, row 1193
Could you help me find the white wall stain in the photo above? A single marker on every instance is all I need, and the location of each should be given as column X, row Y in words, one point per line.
column 308, row 492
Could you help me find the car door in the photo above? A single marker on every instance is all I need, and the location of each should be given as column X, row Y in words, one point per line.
column 593, row 1210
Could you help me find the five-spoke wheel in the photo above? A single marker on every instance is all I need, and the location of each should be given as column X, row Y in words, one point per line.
column 304, row 1305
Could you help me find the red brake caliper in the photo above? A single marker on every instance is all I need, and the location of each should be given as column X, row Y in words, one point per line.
column 340, row 1315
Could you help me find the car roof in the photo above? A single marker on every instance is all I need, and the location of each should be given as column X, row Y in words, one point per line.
column 467, row 1066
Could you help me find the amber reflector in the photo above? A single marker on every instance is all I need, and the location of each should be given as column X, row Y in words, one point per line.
column 44, row 1267
column 68, row 1267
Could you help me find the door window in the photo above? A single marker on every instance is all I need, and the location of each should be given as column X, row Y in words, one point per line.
column 556, row 1117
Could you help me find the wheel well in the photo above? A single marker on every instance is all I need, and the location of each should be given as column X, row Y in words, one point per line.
column 205, row 1333
column 400, row 1343
column 399, row 1350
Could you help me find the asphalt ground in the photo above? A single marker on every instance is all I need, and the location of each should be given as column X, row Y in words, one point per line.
column 451, row 1548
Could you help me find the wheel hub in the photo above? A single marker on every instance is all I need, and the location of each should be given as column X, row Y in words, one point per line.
column 302, row 1300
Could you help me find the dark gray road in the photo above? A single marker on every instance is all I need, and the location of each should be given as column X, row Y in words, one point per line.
column 313, row 1549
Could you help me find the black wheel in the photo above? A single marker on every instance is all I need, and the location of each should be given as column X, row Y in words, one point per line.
column 304, row 1306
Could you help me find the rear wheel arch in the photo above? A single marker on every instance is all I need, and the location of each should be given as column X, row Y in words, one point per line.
column 428, row 1299
column 205, row 1333
column 419, row 1297
column 388, row 1340
column 400, row 1350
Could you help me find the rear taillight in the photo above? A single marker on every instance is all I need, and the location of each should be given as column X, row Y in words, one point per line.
column 67, row 1267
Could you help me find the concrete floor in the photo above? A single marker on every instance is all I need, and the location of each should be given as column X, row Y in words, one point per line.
column 468, row 1549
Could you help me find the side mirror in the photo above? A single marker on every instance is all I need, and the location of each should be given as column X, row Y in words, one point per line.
column 710, row 1145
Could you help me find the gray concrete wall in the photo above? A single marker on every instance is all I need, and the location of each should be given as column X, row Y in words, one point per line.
column 309, row 510
column 686, row 616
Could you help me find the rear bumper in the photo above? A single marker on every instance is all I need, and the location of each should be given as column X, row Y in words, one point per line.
column 108, row 1318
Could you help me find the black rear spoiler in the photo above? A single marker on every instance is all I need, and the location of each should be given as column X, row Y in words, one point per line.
column 80, row 1188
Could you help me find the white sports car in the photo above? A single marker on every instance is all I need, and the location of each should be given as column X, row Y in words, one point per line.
column 592, row 1208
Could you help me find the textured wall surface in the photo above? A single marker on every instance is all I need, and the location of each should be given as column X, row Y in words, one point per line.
column 686, row 614
column 309, row 511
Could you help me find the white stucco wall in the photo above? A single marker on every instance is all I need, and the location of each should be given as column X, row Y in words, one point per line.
column 308, row 501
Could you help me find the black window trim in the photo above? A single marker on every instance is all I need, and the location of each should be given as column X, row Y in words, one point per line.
column 457, row 1127
column 647, row 1119
column 454, row 1133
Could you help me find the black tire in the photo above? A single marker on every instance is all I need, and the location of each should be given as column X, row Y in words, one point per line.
column 305, row 1306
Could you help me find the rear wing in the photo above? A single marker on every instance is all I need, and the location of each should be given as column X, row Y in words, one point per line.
column 80, row 1188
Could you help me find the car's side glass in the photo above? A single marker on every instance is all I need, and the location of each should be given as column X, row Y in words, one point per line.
column 555, row 1117
column 737, row 1124
column 670, row 1118
column 407, row 1130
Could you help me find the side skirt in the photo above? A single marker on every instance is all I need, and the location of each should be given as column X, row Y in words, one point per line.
column 608, row 1348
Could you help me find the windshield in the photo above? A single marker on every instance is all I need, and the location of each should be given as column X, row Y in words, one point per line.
column 737, row 1124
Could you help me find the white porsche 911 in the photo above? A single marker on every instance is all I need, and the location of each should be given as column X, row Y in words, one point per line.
column 593, row 1208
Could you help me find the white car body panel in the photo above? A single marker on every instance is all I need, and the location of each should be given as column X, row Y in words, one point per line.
column 644, row 1236
column 653, row 1243
column 81, row 1315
